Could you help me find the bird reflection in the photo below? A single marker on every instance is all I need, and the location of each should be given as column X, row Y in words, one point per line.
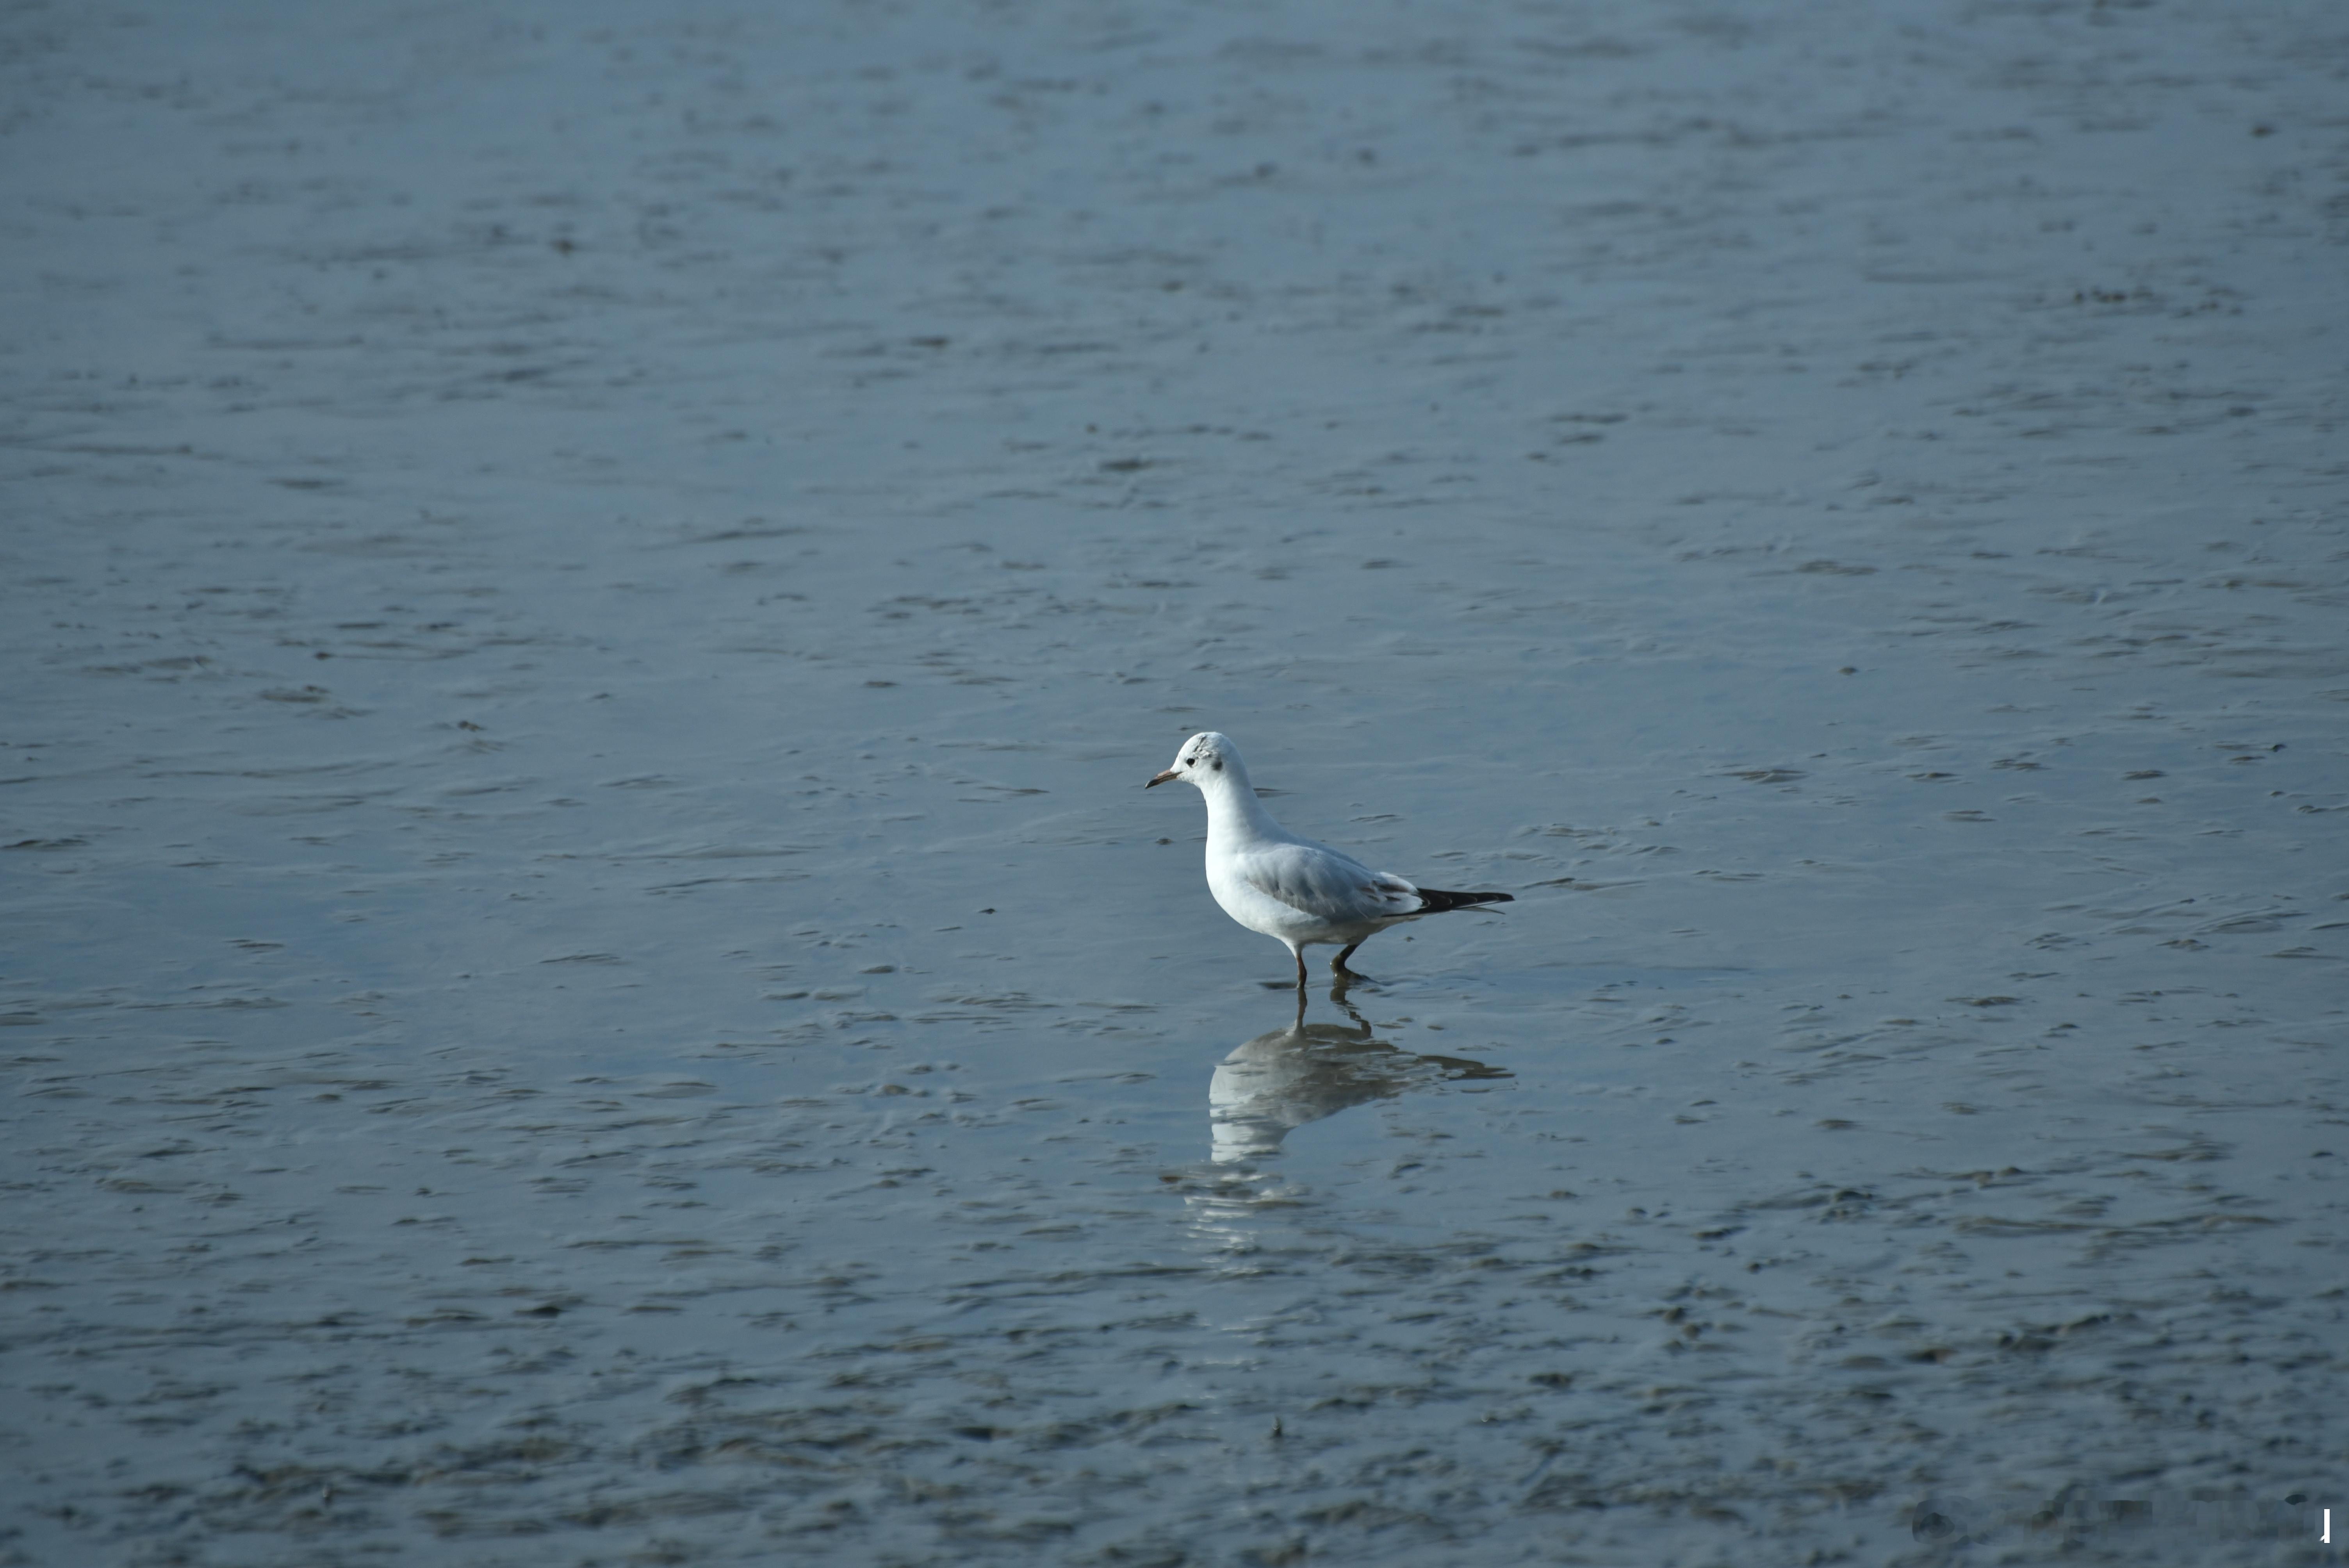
column 1304, row 1072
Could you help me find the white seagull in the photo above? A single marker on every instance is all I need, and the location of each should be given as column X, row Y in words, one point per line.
column 1293, row 890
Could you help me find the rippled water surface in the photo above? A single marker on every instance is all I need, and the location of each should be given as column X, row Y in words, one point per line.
column 589, row 591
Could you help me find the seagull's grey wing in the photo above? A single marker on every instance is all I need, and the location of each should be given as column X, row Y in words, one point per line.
column 1326, row 883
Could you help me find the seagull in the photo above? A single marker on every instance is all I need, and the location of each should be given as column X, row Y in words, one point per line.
column 1293, row 890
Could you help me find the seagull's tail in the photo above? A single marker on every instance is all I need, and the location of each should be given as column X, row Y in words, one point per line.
column 1435, row 902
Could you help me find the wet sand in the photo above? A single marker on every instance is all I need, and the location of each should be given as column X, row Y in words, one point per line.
column 589, row 592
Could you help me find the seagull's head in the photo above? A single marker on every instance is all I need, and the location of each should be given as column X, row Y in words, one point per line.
column 1199, row 759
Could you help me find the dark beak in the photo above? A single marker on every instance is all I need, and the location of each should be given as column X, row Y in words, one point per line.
column 1162, row 778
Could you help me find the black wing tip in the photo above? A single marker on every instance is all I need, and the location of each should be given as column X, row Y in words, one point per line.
column 1438, row 901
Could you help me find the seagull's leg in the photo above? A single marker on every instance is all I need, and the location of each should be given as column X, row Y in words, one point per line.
column 1338, row 964
column 1298, row 953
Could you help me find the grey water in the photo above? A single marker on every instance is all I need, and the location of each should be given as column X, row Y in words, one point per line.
column 587, row 593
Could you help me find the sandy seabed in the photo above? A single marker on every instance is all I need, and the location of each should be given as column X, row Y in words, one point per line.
column 587, row 593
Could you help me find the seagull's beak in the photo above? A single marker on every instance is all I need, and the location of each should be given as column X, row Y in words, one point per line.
column 1162, row 778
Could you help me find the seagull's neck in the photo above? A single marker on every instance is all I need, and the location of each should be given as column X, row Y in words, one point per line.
column 1235, row 815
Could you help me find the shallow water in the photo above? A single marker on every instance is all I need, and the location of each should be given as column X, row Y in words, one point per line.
column 590, row 592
